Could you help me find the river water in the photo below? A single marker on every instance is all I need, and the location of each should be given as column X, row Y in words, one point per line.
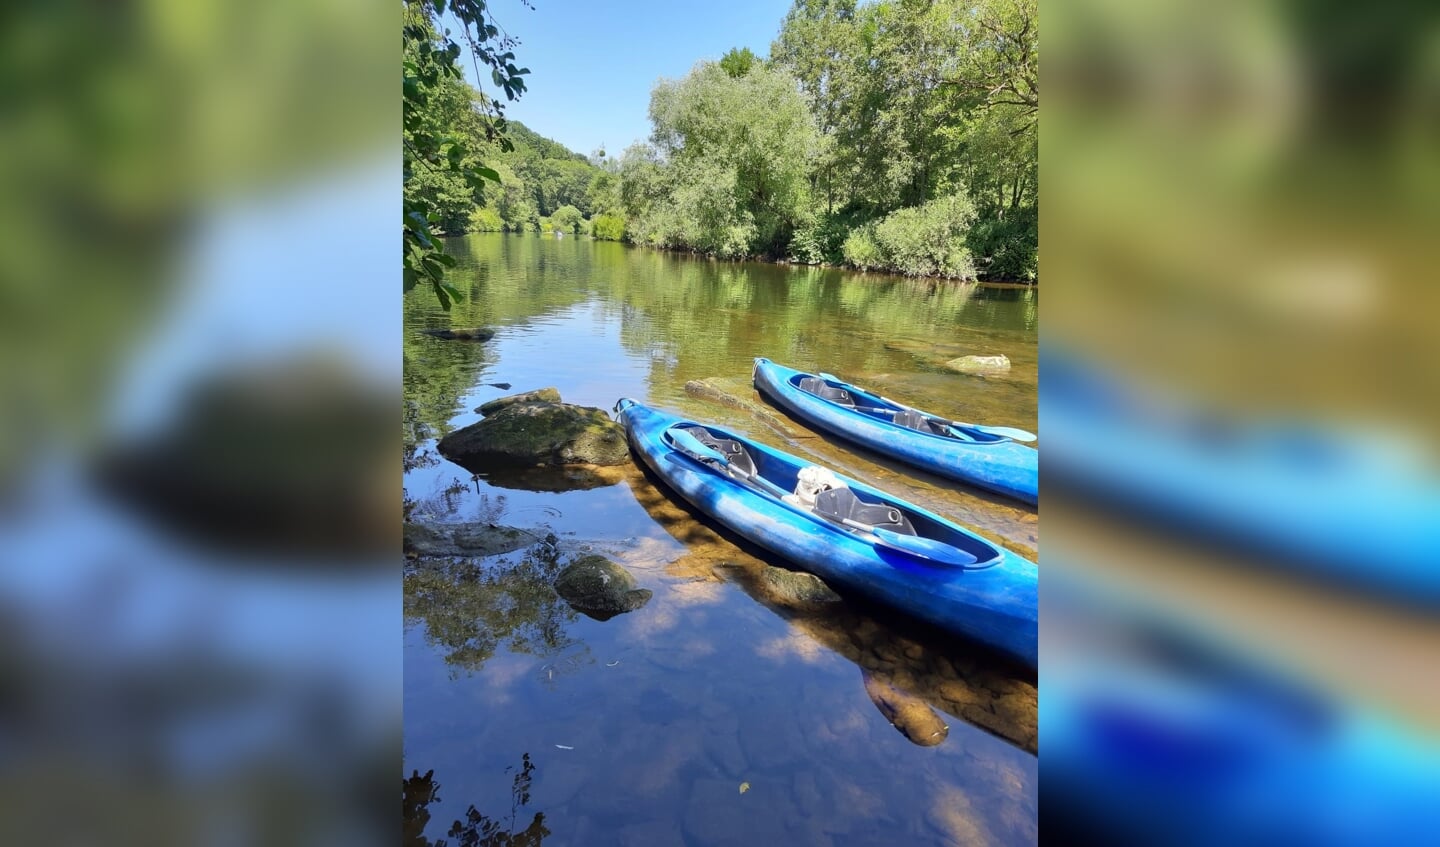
column 720, row 712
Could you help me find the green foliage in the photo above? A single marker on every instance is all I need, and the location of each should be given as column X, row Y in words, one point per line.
column 486, row 219
column 1008, row 248
column 928, row 240
column 915, row 102
column 567, row 218
column 861, row 251
column 608, row 227
column 441, row 117
column 820, row 238
column 738, row 61
column 727, row 172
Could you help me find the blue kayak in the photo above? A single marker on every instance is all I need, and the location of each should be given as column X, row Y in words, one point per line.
column 965, row 453
column 855, row 537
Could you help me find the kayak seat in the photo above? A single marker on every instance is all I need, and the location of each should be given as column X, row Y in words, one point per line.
column 729, row 447
column 820, row 388
column 836, row 503
column 911, row 419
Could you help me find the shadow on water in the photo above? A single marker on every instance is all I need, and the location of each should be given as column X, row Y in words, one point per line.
column 901, row 660
column 476, row 829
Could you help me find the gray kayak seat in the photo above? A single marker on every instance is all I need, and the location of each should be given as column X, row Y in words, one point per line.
column 835, row 503
column 729, row 447
column 911, row 419
column 820, row 388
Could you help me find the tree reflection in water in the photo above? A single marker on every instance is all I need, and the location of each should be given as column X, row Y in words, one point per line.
column 471, row 609
column 475, row 829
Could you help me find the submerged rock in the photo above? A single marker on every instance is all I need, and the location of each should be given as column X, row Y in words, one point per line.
column 467, row 540
column 478, row 333
column 600, row 588
column 796, row 588
column 979, row 364
column 735, row 393
column 908, row 713
column 532, row 434
column 539, row 395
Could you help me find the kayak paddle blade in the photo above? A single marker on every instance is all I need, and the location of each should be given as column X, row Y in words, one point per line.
column 1009, row 432
column 923, row 548
column 697, row 448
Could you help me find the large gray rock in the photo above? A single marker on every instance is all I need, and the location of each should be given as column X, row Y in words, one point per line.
column 600, row 588
column 535, row 434
column 539, row 395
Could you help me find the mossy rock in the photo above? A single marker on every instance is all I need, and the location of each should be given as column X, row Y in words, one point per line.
column 539, row 395
column 600, row 588
column 538, row 434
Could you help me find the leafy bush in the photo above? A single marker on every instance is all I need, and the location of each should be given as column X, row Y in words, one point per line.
column 1008, row 248
column 608, row 227
column 861, row 251
column 928, row 240
column 567, row 218
column 820, row 238
column 486, row 219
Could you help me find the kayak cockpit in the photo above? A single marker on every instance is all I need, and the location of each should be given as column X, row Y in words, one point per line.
column 877, row 408
column 832, row 501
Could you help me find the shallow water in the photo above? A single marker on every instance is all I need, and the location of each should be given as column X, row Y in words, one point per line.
column 721, row 711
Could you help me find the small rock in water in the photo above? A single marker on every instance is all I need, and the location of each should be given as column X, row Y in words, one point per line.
column 979, row 364
column 908, row 713
column 598, row 587
column 478, row 333
column 796, row 588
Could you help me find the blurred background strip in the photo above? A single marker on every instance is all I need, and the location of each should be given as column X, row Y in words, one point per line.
column 1238, row 390
column 199, row 452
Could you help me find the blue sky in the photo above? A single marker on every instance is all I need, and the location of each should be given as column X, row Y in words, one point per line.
column 593, row 63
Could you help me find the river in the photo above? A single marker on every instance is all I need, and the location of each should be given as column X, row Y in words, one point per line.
column 716, row 714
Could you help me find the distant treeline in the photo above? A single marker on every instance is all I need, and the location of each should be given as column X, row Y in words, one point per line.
column 893, row 136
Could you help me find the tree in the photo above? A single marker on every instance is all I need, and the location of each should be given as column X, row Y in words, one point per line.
column 727, row 171
column 738, row 61
column 438, row 155
column 567, row 219
column 916, row 101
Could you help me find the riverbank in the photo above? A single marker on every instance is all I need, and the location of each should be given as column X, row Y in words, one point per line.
column 768, row 260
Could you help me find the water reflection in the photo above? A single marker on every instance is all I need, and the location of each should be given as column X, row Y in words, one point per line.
column 474, row 829
column 471, row 608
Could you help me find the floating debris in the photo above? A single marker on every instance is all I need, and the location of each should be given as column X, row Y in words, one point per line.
column 612, row 664
column 744, row 786
column 563, row 747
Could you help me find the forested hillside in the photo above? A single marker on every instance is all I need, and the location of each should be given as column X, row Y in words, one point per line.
column 898, row 135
